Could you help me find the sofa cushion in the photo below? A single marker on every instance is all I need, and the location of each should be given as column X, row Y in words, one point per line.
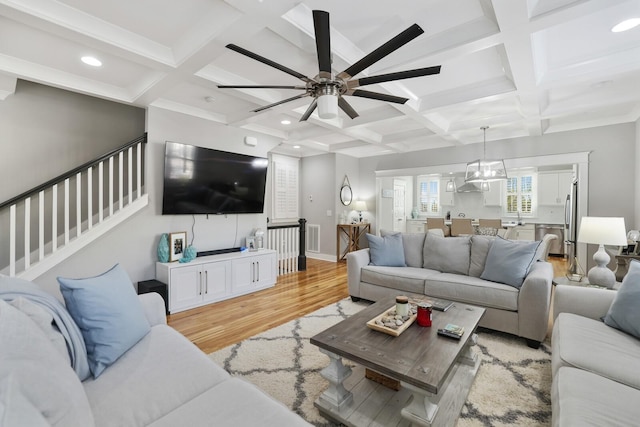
column 160, row 373
column 447, row 254
column 509, row 262
column 44, row 376
column 591, row 345
column 387, row 250
column 407, row 279
column 479, row 250
column 412, row 244
column 237, row 403
column 584, row 399
column 109, row 314
column 472, row 290
column 624, row 313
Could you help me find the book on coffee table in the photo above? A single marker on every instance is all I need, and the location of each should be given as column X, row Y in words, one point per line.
column 441, row 304
column 452, row 331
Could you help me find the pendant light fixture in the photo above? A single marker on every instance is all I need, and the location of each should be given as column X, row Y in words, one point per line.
column 483, row 170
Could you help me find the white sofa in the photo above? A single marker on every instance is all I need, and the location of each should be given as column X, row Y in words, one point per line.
column 520, row 311
column 595, row 368
column 163, row 380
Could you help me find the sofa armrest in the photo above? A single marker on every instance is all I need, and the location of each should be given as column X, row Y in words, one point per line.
column 355, row 261
column 534, row 302
column 584, row 301
column 154, row 310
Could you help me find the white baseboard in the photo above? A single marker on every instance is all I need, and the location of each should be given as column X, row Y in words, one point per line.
column 323, row 257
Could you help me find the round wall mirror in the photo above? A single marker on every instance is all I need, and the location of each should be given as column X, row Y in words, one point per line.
column 346, row 195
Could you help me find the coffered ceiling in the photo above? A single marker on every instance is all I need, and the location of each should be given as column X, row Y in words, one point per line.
column 521, row 67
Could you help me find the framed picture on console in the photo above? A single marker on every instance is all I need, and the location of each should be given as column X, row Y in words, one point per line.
column 251, row 243
column 177, row 245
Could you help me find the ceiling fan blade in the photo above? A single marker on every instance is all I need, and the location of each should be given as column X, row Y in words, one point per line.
column 268, row 62
column 323, row 42
column 395, row 43
column 260, row 87
column 347, row 108
column 310, row 110
column 293, row 98
column 394, row 76
column 375, row 95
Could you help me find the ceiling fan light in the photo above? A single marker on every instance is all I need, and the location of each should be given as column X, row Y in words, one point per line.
column 327, row 107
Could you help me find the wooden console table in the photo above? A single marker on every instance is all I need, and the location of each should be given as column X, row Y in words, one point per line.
column 353, row 233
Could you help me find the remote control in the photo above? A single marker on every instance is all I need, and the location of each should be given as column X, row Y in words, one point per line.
column 449, row 334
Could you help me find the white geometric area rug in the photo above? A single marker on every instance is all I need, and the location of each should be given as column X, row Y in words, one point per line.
column 512, row 387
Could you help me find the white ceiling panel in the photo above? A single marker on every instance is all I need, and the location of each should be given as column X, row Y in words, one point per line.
column 522, row 67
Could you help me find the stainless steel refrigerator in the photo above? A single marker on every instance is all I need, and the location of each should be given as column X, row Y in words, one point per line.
column 571, row 226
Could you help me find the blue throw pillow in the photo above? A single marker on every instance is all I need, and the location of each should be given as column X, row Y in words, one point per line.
column 109, row 314
column 386, row 251
column 509, row 261
column 624, row 313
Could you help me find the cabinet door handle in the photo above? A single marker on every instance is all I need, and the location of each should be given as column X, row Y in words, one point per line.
column 206, row 281
column 200, row 285
column 258, row 271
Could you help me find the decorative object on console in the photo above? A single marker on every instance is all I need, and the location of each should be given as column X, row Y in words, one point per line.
column 259, row 235
column 602, row 231
column 483, row 170
column 251, row 243
column 189, row 254
column 177, row 245
column 163, row 248
column 360, row 205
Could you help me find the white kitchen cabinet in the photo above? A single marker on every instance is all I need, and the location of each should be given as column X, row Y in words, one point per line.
column 415, row 225
column 553, row 188
column 526, row 232
column 216, row 277
column 446, row 197
column 493, row 197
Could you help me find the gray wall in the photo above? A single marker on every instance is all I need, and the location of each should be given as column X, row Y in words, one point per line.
column 318, row 192
column 46, row 131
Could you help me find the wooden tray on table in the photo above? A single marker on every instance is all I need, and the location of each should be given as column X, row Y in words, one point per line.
column 395, row 332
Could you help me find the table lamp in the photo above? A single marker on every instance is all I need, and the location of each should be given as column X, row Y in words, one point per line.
column 361, row 205
column 602, row 231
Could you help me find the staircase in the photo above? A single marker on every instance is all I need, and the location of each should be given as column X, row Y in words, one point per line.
column 53, row 221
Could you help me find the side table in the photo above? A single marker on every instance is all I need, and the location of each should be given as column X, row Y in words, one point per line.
column 563, row 280
column 353, row 233
column 153, row 285
column 622, row 262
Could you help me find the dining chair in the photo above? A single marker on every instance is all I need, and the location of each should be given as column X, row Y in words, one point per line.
column 461, row 226
column 433, row 223
column 493, row 223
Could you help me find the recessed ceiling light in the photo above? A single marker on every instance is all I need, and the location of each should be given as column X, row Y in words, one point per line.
column 285, row 122
column 296, row 146
column 626, row 25
column 90, row 60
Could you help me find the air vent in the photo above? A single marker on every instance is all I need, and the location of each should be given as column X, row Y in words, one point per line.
column 313, row 238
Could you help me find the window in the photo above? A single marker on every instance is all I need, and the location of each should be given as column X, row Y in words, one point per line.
column 428, row 195
column 285, row 189
column 520, row 194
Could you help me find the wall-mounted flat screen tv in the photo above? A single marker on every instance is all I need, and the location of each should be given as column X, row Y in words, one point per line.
column 201, row 180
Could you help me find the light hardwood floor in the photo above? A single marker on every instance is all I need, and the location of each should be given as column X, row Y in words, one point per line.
column 218, row 325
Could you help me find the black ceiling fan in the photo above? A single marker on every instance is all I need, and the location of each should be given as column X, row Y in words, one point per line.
column 336, row 86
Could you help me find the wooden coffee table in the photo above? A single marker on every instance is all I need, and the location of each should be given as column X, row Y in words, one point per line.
column 435, row 372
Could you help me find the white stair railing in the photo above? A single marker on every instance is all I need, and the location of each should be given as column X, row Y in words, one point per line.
column 81, row 196
column 286, row 241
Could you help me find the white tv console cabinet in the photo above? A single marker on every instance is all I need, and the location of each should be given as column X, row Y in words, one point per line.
column 217, row 277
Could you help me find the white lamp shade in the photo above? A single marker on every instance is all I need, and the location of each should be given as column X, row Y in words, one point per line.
column 328, row 106
column 602, row 231
column 360, row 205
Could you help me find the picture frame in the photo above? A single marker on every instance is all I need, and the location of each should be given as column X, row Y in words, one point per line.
column 251, row 243
column 177, row 245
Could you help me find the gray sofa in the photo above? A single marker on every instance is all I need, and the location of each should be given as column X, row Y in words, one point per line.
column 522, row 311
column 163, row 380
column 595, row 368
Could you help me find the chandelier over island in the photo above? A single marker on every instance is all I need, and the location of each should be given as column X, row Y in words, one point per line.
column 485, row 170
